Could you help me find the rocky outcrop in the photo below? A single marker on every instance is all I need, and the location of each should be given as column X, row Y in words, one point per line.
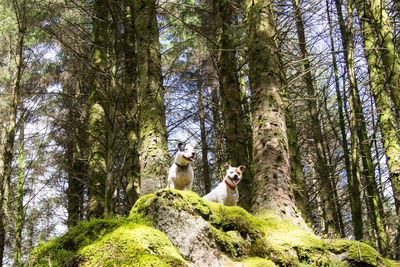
column 178, row 228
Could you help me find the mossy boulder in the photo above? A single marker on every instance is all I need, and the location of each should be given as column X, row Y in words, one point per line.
column 111, row 242
column 178, row 228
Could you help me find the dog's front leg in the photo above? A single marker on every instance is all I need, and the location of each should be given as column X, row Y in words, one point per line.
column 189, row 186
column 170, row 184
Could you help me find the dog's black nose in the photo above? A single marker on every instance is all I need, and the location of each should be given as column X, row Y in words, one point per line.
column 236, row 176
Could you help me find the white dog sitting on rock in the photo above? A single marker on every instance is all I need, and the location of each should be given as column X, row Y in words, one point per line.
column 181, row 172
column 226, row 193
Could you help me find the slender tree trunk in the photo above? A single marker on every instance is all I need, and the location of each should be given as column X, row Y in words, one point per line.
column 152, row 129
column 7, row 149
column 382, row 101
column 296, row 169
column 246, row 111
column 220, row 150
column 300, row 189
column 354, row 185
column 20, row 197
column 355, row 199
column 131, row 107
column 75, row 154
column 234, row 121
column 322, row 162
column 203, row 135
column 111, row 127
column 272, row 186
column 97, row 113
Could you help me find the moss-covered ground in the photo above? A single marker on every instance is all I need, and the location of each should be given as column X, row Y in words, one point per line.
column 249, row 241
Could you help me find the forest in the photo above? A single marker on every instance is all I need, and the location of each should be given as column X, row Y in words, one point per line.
column 95, row 96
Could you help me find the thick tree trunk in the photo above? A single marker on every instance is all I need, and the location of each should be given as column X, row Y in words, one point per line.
column 391, row 66
column 272, row 186
column 374, row 12
column 234, row 121
column 152, row 130
column 385, row 117
column 322, row 161
column 97, row 112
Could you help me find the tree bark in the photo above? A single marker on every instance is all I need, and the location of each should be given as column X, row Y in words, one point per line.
column 220, row 148
column 234, row 121
column 152, row 129
column 322, row 161
column 75, row 152
column 355, row 182
column 203, row 135
column 20, row 195
column 97, row 112
column 382, row 101
column 272, row 186
column 296, row 169
column 131, row 110
column 374, row 12
column 8, row 134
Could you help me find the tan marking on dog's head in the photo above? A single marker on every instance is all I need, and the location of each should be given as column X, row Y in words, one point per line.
column 239, row 170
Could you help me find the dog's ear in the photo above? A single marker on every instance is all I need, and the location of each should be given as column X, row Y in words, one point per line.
column 241, row 167
column 227, row 166
column 181, row 146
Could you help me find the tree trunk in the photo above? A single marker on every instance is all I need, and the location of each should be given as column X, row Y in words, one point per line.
column 97, row 112
column 234, row 121
column 390, row 64
column 385, row 117
column 374, row 12
column 322, row 162
column 300, row 189
column 355, row 209
column 220, row 150
column 111, row 128
column 75, row 153
column 20, row 195
column 8, row 134
column 296, row 169
column 203, row 135
column 272, row 186
column 152, row 130
column 131, row 107
column 355, row 183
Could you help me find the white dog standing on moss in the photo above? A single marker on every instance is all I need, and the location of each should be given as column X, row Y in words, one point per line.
column 226, row 193
column 181, row 172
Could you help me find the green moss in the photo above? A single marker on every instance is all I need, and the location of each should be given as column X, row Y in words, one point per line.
column 257, row 262
column 131, row 244
column 264, row 240
column 62, row 249
column 390, row 263
column 108, row 242
column 356, row 251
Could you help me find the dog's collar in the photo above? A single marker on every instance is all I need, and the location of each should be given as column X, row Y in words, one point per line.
column 229, row 185
column 182, row 166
